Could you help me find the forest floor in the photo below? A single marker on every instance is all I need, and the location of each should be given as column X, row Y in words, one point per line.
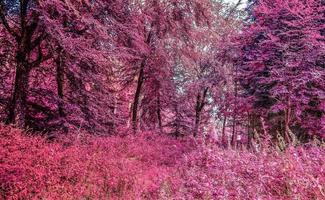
column 152, row 166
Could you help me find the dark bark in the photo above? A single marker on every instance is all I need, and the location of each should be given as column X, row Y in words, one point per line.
column 60, row 83
column 250, row 130
column 18, row 106
column 139, row 87
column 234, row 131
column 197, row 123
column 159, row 112
column 287, row 121
column 177, row 122
column 224, row 142
column 137, row 96
column 200, row 102
column 25, row 46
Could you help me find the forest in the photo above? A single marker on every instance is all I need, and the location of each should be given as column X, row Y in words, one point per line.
column 162, row 99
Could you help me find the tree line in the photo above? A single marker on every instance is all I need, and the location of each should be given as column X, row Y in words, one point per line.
column 177, row 67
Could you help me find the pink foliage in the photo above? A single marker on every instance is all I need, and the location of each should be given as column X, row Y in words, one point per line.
column 109, row 82
column 152, row 166
column 86, row 166
column 214, row 173
column 282, row 63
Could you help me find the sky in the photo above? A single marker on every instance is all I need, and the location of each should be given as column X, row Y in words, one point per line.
column 235, row 1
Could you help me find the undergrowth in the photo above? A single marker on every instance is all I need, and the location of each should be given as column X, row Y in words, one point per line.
column 153, row 166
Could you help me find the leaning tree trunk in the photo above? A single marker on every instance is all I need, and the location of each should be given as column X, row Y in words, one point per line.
column 197, row 115
column 137, row 97
column 197, row 122
column 139, row 87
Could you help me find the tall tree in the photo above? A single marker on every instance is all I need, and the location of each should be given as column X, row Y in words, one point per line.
column 25, row 28
column 280, row 53
column 161, row 21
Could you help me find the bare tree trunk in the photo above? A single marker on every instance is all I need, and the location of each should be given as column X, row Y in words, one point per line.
column 137, row 96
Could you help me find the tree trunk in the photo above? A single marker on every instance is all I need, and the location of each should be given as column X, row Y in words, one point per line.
column 60, row 84
column 287, row 121
column 224, row 131
column 159, row 112
column 25, row 45
column 200, row 102
column 137, row 96
column 18, row 105
column 249, row 131
column 177, row 122
column 197, row 122
column 234, row 131
column 139, row 87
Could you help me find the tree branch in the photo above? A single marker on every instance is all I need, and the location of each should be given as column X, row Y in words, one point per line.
column 202, row 104
column 23, row 13
column 40, row 58
column 234, row 9
column 38, row 41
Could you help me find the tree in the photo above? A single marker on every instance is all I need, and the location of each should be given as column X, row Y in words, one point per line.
column 28, row 37
column 88, row 41
column 76, row 37
column 158, row 24
column 280, row 52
